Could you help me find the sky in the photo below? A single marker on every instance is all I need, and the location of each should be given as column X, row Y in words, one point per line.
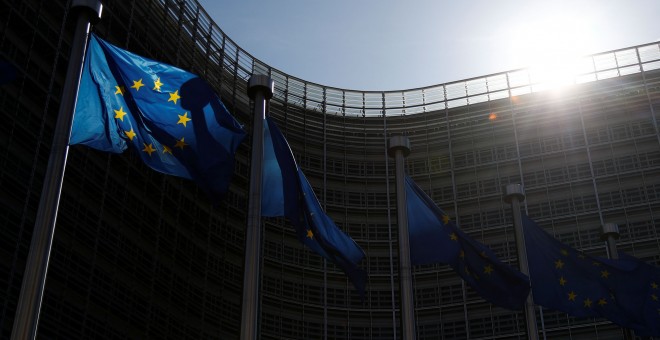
column 382, row 45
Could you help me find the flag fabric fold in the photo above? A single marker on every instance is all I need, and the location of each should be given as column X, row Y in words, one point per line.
column 286, row 192
column 436, row 239
column 173, row 119
column 624, row 291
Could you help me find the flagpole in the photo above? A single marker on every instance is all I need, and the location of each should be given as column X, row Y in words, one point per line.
column 399, row 148
column 514, row 195
column 610, row 235
column 34, row 278
column 260, row 89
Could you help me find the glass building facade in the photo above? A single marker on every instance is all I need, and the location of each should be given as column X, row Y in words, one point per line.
column 137, row 254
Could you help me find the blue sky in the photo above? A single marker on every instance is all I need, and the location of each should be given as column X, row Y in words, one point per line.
column 397, row 45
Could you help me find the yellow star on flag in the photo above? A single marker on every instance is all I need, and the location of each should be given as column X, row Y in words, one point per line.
column 605, row 274
column 157, row 84
column 120, row 90
column 445, row 218
column 310, row 234
column 131, row 134
column 564, row 252
column 488, row 269
column 148, row 148
column 654, row 285
column 559, row 264
column 453, row 237
column 587, row 302
column 119, row 114
column 180, row 143
column 174, row 96
column 562, row 281
column 166, row 149
column 183, row 119
column 572, row 296
column 654, row 297
column 137, row 84
column 602, row 302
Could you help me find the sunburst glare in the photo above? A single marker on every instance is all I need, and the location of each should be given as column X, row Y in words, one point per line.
column 551, row 48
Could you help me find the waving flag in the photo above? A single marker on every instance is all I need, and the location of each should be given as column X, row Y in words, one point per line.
column 286, row 192
column 172, row 118
column 624, row 291
column 436, row 239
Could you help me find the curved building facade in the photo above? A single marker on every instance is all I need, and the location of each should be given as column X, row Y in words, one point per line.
column 138, row 255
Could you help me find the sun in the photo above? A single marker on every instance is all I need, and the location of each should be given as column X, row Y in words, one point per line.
column 551, row 48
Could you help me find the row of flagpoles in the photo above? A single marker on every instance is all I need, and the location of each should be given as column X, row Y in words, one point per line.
column 180, row 127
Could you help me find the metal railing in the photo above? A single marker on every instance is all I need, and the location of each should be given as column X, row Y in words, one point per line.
column 331, row 100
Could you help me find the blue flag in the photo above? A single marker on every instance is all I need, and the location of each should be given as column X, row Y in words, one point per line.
column 286, row 192
column 436, row 239
column 624, row 291
column 172, row 118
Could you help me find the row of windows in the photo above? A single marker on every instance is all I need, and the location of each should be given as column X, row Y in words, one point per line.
column 465, row 190
column 546, row 174
column 498, row 153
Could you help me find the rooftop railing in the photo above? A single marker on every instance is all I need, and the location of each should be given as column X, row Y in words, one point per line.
column 337, row 101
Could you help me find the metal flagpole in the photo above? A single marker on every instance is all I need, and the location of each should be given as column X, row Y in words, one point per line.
column 260, row 89
column 34, row 279
column 610, row 235
column 399, row 148
column 515, row 195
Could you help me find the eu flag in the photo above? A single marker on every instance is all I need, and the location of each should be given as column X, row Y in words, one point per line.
column 286, row 192
column 624, row 291
column 172, row 118
column 436, row 239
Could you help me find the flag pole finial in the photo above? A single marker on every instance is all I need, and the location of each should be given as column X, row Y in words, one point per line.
column 260, row 83
column 610, row 229
column 397, row 143
column 514, row 190
column 93, row 7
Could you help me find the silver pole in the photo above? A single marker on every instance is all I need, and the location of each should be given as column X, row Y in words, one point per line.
column 260, row 89
column 36, row 268
column 515, row 195
column 399, row 148
column 610, row 235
